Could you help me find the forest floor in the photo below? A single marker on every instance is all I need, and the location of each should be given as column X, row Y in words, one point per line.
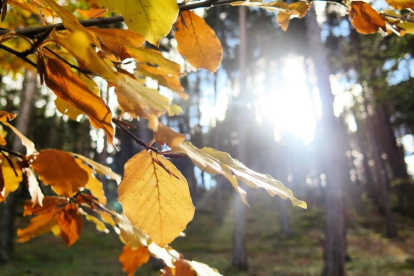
column 370, row 252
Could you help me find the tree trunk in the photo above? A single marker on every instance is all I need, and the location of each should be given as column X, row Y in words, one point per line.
column 335, row 242
column 7, row 231
column 239, row 248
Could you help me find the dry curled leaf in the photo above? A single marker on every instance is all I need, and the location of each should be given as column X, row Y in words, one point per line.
column 364, row 18
column 70, row 223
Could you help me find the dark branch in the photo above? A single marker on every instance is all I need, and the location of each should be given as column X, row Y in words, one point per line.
column 11, row 152
column 18, row 54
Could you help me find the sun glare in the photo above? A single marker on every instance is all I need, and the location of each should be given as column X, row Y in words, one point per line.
column 288, row 104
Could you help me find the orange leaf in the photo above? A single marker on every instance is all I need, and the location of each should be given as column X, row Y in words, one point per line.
column 60, row 170
column 132, row 259
column 401, row 4
column 70, row 88
column 92, row 13
column 364, row 18
column 182, row 268
column 40, row 224
column 70, row 223
column 115, row 39
column 93, row 185
column 198, row 42
column 6, row 116
column 48, row 205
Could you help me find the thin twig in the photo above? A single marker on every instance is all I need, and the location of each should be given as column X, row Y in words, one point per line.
column 18, row 54
column 11, row 152
column 83, row 71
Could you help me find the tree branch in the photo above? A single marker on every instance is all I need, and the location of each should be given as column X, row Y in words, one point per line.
column 11, row 152
column 18, row 54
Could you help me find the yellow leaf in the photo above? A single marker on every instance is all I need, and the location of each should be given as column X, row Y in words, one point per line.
column 114, row 39
column 152, row 19
column 92, row 13
column 364, row 18
column 93, row 185
column 401, row 4
column 12, row 176
column 130, row 235
column 67, row 109
column 100, row 226
column 198, row 42
column 163, row 79
column 40, row 224
column 29, row 145
column 70, row 21
column 70, row 223
column 165, row 135
column 155, row 198
column 33, row 187
column 217, row 162
column 60, row 170
column 162, row 254
column 70, row 88
column 153, row 57
column 99, row 168
column 132, row 259
column 296, row 9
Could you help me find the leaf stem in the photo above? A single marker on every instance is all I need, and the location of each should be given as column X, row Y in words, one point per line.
column 11, row 152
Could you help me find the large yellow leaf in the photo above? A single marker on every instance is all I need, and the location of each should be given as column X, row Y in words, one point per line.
column 60, row 170
column 198, row 42
column 151, row 18
column 12, row 176
column 364, row 18
column 217, row 162
column 99, row 168
column 155, row 198
column 401, row 4
column 132, row 259
column 70, row 88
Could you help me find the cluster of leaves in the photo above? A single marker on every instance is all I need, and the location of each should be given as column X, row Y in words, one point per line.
column 155, row 196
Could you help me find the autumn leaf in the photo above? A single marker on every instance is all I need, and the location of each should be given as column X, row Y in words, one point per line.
column 40, row 224
column 100, row 226
column 70, row 21
column 99, row 168
column 155, row 197
column 114, row 40
column 401, row 4
column 165, row 135
column 4, row 117
column 153, row 57
column 152, row 19
column 198, row 42
column 296, row 9
column 203, row 269
column 70, row 88
column 60, row 170
column 364, row 18
column 129, row 234
column 33, row 187
column 49, row 203
column 12, row 176
column 182, row 268
column 132, row 259
column 94, row 185
column 92, row 13
column 70, row 223
column 217, row 162
column 29, row 145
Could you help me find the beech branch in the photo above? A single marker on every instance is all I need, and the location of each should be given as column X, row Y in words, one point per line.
column 9, row 151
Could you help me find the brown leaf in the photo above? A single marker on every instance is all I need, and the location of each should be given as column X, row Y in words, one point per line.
column 131, row 259
column 49, row 203
column 40, row 224
column 198, row 42
column 60, row 170
column 364, row 18
column 70, row 223
column 182, row 268
column 70, row 88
